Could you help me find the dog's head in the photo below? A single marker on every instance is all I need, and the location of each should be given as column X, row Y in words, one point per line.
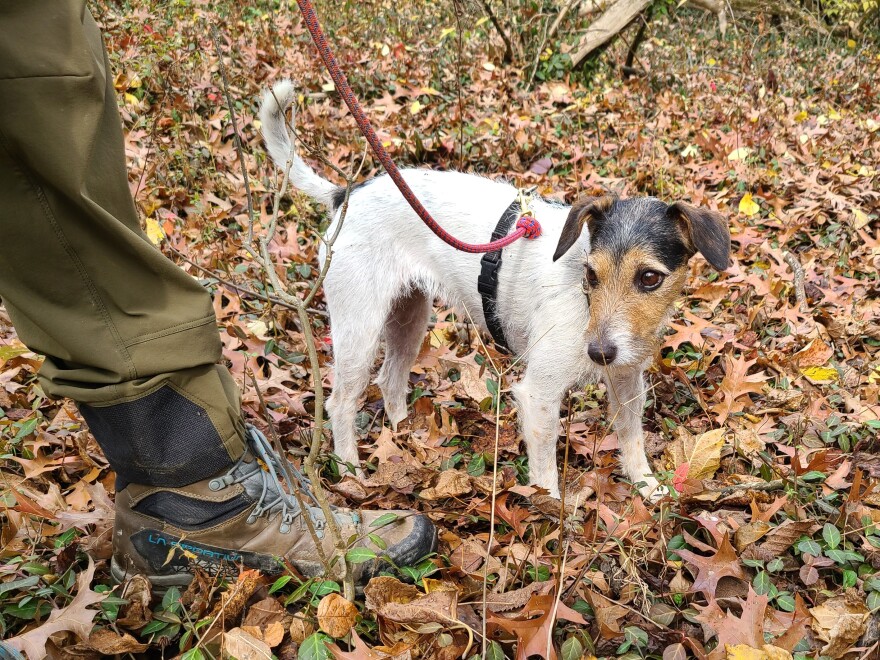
column 636, row 267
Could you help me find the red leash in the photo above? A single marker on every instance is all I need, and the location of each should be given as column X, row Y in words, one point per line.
column 526, row 226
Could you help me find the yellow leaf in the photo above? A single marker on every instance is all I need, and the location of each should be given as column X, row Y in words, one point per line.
column 415, row 107
column 430, row 91
column 131, row 99
column 702, row 453
column 744, row 652
column 154, row 231
column 801, row 116
column 711, row 61
column 747, row 205
column 860, row 219
column 851, row 44
column 385, row 50
column 481, row 21
column 488, row 66
column 446, row 32
column 820, row 374
column 739, row 154
column 833, row 115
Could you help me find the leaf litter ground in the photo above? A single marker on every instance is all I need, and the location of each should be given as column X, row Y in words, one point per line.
column 763, row 412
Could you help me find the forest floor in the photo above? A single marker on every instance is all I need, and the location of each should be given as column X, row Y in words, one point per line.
column 762, row 413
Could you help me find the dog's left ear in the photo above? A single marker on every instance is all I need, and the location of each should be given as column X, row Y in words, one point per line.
column 704, row 231
column 587, row 210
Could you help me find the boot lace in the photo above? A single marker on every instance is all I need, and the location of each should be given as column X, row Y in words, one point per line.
column 266, row 487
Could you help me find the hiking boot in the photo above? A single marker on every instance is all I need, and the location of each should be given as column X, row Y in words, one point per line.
column 243, row 518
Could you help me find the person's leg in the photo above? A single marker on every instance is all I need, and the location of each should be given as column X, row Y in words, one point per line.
column 130, row 337
column 126, row 334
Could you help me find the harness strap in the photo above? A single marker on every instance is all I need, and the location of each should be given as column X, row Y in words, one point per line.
column 487, row 282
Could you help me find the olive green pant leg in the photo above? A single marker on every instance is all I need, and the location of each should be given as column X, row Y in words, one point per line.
column 126, row 334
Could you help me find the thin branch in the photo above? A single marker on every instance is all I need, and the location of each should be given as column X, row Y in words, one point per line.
column 508, row 48
column 236, row 137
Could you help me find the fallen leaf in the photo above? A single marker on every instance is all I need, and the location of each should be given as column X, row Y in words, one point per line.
column 724, row 563
column 451, row 483
column 107, row 642
column 701, row 453
column 839, row 622
column 534, row 633
column 336, row 615
column 239, row 645
column 75, row 618
column 748, row 206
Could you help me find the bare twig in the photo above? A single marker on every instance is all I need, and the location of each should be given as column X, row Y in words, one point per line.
column 235, row 135
column 508, row 47
column 798, row 271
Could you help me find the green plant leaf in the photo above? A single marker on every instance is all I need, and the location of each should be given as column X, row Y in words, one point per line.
column 785, row 601
column 572, row 649
column 494, row 651
column 831, row 535
column 761, row 583
column 314, row 647
column 279, row 583
column 384, row 519
column 809, row 546
column 359, row 555
column 849, row 578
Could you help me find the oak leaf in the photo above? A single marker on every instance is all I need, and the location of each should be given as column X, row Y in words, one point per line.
column 735, row 385
column 534, row 633
column 724, row 563
column 75, row 618
column 451, row 483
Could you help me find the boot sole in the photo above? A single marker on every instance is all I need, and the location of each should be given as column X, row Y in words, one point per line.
column 160, row 583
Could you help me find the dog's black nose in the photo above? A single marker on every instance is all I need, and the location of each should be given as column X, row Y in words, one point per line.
column 602, row 352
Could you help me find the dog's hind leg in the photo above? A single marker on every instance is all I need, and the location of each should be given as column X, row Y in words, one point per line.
column 358, row 308
column 404, row 332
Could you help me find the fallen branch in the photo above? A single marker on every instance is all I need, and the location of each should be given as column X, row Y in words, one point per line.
column 612, row 21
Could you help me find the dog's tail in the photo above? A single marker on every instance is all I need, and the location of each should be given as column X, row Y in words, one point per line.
column 273, row 109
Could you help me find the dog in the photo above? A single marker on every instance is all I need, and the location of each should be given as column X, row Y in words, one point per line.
column 586, row 300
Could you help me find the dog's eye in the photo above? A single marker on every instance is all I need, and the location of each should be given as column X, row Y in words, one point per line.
column 650, row 280
column 592, row 278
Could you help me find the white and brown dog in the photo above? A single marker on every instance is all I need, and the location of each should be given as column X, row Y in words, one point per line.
column 586, row 300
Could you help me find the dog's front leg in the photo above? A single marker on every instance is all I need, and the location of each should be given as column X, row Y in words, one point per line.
column 538, row 398
column 627, row 391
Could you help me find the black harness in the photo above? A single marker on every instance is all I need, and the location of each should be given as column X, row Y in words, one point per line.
column 487, row 282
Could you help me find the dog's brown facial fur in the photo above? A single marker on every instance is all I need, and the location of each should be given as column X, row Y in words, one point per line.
column 637, row 266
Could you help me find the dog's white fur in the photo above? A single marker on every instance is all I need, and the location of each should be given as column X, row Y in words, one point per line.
column 388, row 268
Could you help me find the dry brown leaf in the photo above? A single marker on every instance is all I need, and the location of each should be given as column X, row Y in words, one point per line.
column 750, row 533
column 778, row 540
column 724, row 563
column 107, row 642
column 271, row 633
column 839, row 622
column 336, row 615
column 240, row 645
column 608, row 614
column 75, row 618
column 451, row 483
column 702, row 453
column 512, row 600
column 137, row 613
column 300, row 629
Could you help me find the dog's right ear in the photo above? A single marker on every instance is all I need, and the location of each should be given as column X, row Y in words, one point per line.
column 587, row 210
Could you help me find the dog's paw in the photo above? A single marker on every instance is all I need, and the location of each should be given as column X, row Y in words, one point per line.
column 395, row 412
column 653, row 491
